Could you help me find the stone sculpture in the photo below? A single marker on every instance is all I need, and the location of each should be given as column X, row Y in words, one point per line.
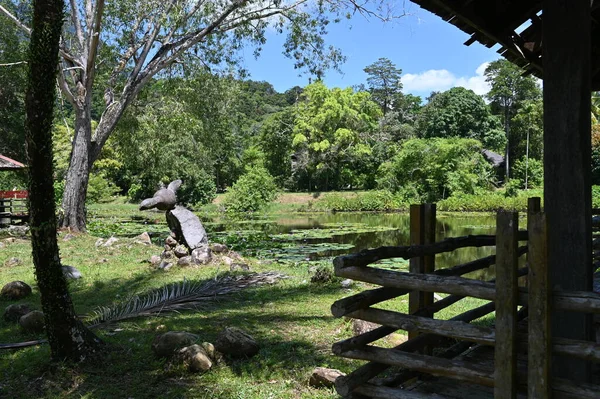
column 164, row 199
column 184, row 224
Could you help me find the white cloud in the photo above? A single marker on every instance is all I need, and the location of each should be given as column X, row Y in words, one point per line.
column 442, row 79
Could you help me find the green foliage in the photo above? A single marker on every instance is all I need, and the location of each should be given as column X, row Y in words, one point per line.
column 254, row 190
column 384, row 82
column 13, row 78
column 369, row 201
column 595, row 196
column 488, row 201
column 330, row 132
column 275, row 140
column 100, row 189
column 459, row 112
column 11, row 180
column 532, row 171
column 512, row 187
column 434, row 169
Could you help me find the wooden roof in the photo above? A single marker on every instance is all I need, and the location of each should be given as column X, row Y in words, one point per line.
column 9, row 164
column 493, row 22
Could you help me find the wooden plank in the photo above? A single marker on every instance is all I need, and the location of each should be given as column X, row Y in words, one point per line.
column 452, row 329
column 456, row 369
column 364, row 299
column 366, row 257
column 416, row 264
column 567, row 158
column 539, row 336
column 577, row 301
column 345, row 385
column 505, row 354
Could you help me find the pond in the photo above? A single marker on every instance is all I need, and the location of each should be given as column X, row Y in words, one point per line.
column 306, row 238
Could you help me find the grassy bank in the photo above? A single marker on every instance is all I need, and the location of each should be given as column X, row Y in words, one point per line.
column 291, row 321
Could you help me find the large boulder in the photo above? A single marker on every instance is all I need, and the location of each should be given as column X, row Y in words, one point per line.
column 170, row 342
column 187, row 227
column 14, row 312
column 32, row 322
column 16, row 290
column 236, row 343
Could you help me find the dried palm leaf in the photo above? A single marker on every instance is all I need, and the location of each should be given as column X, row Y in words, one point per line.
column 178, row 296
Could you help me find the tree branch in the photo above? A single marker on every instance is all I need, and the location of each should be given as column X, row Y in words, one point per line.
column 77, row 23
column 19, row 24
column 94, row 37
column 13, row 63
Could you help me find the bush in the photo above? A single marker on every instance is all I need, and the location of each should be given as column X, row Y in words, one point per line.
column 253, row 191
column 99, row 189
column 535, row 172
column 488, row 201
column 369, row 201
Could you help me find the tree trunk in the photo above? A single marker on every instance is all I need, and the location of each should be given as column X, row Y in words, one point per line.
column 73, row 203
column 67, row 336
column 507, row 131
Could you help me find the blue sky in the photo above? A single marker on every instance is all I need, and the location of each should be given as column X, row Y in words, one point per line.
column 429, row 51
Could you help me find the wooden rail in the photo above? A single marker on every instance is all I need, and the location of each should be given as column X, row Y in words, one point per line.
column 13, row 207
column 425, row 332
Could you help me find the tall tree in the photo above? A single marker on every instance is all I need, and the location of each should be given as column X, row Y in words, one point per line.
column 384, row 83
column 134, row 41
column 459, row 112
column 68, row 337
column 509, row 89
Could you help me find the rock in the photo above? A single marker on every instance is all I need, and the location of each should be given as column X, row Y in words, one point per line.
column 18, row 231
column 164, row 199
column 347, row 283
column 324, row 378
column 196, row 358
column 170, row 241
column 15, row 290
column 236, row 343
column 185, row 261
column 68, row 237
column 110, row 242
column 14, row 312
column 12, row 262
column 71, row 272
column 2, row 245
column 187, row 227
column 239, row 266
column 180, row 251
column 167, row 255
column 143, row 238
column 170, row 342
column 164, row 265
column 32, row 322
column 218, row 248
column 227, row 260
column 202, row 255
column 99, row 242
column 234, row 255
column 155, row 260
column 361, row 326
column 10, row 240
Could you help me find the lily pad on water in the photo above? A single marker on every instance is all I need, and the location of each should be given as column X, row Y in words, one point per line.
column 297, row 253
column 325, row 233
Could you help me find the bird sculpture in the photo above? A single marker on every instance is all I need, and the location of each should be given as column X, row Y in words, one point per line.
column 164, row 199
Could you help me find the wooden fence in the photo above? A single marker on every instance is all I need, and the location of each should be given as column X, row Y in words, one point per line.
column 510, row 302
column 13, row 207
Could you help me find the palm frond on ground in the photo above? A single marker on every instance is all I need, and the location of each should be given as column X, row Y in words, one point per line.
column 175, row 297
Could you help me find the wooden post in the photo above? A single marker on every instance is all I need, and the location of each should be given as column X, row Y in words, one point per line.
column 422, row 231
column 539, row 348
column 505, row 355
column 567, row 157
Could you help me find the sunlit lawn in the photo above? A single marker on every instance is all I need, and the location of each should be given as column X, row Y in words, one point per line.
column 291, row 320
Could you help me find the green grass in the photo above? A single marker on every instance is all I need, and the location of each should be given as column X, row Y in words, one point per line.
column 291, row 320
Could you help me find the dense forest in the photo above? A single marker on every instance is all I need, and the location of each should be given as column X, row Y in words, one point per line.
column 209, row 127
